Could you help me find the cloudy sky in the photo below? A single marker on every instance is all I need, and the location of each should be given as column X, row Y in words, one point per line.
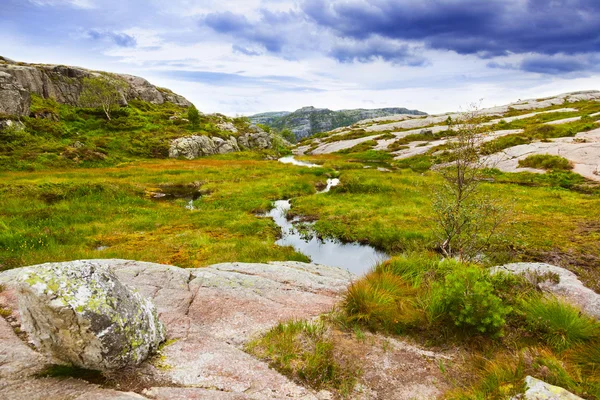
column 248, row 56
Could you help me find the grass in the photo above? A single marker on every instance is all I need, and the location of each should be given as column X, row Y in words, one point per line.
column 537, row 132
column 560, row 325
column 381, row 300
column 547, row 162
column 305, row 352
column 62, row 136
column 70, row 214
column 446, row 302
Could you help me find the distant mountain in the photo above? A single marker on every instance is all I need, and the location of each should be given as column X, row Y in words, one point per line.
column 310, row 120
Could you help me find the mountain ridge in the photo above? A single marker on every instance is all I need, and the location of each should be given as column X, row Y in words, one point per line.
column 308, row 120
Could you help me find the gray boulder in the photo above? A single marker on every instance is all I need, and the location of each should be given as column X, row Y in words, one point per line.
column 566, row 284
column 192, row 147
column 80, row 313
column 540, row 390
column 195, row 146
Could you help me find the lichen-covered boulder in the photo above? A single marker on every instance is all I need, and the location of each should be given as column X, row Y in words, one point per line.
column 80, row 313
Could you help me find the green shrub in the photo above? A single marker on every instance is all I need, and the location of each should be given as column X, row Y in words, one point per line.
column 193, row 116
column 546, row 161
column 559, row 324
column 466, row 298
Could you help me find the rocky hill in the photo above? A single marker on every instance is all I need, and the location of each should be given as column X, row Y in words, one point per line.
column 18, row 81
column 42, row 122
column 310, row 120
column 566, row 125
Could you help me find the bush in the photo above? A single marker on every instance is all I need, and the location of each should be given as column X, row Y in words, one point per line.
column 193, row 116
column 467, row 299
column 559, row 324
column 547, row 162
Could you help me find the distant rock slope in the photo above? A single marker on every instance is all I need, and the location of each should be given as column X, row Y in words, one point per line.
column 19, row 80
column 310, row 120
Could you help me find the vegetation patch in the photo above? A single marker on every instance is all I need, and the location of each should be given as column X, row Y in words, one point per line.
column 547, row 162
column 305, row 352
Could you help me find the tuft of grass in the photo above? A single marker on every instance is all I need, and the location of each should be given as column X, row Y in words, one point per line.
column 586, row 358
column 547, row 162
column 560, row 325
column 382, row 301
column 417, row 268
column 304, row 351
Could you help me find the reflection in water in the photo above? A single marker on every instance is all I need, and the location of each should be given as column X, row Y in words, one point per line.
column 330, row 183
column 354, row 257
column 293, row 161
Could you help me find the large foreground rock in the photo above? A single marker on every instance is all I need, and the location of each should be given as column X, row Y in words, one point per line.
column 81, row 314
column 209, row 313
column 568, row 286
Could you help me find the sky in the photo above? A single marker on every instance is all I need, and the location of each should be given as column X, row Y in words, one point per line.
column 240, row 57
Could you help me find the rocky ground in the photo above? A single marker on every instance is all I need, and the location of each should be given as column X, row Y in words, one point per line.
column 583, row 150
column 210, row 313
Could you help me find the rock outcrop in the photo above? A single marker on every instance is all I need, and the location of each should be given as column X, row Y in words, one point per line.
column 195, row 146
column 209, row 313
column 310, row 120
column 558, row 281
column 19, row 80
column 540, row 390
column 81, row 314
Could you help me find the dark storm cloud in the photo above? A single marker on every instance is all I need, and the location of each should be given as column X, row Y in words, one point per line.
column 366, row 30
column 486, row 28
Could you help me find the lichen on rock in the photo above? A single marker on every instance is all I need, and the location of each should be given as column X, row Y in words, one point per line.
column 80, row 313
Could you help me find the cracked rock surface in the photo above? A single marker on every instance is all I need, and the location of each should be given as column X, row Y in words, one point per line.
column 209, row 314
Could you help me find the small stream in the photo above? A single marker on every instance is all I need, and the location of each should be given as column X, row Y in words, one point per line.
column 354, row 257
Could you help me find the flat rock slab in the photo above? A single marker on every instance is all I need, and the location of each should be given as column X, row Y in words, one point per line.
column 209, row 314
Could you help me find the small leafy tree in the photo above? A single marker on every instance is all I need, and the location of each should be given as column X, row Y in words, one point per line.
column 288, row 135
column 194, row 116
column 466, row 220
column 102, row 91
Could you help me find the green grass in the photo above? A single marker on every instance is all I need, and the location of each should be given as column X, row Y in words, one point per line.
column 508, row 328
column 62, row 136
column 69, row 214
column 547, row 162
column 305, row 352
column 560, row 325
column 381, row 301
column 537, row 132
